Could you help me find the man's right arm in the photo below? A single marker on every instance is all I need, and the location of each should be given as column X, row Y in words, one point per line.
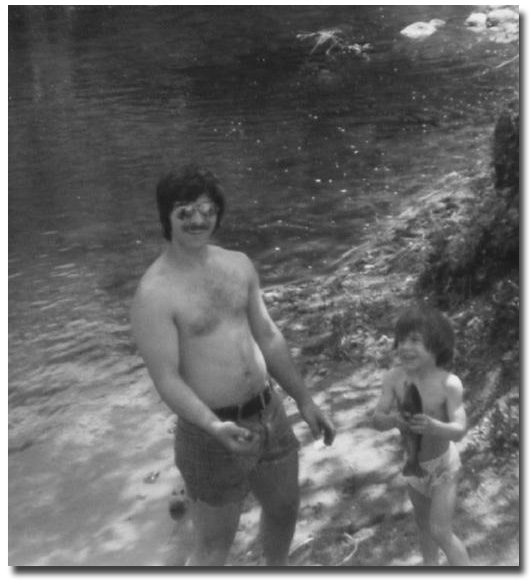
column 157, row 340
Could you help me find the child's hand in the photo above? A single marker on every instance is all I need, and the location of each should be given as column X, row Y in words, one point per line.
column 421, row 424
column 401, row 423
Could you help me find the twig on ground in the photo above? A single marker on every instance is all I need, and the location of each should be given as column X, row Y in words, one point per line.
column 347, row 558
column 507, row 61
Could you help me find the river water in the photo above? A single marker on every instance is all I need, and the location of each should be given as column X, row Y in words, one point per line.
column 311, row 148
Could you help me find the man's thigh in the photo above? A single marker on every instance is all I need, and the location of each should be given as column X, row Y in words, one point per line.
column 212, row 474
column 276, row 483
column 216, row 525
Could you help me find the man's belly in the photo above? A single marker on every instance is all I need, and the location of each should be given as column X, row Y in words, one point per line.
column 224, row 368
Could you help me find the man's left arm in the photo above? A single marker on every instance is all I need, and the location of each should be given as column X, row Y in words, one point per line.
column 279, row 361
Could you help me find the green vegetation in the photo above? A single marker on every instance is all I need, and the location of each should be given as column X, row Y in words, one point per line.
column 471, row 271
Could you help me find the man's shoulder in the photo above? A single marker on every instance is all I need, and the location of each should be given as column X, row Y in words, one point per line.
column 153, row 273
column 154, row 283
column 229, row 254
column 231, row 258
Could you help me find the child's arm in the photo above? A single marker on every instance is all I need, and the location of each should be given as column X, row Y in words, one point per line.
column 456, row 428
column 383, row 417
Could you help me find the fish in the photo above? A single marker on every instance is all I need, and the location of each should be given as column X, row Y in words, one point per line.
column 410, row 406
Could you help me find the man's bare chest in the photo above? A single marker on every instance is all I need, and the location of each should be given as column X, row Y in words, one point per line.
column 210, row 299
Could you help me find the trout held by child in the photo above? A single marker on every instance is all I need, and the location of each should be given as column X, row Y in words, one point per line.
column 410, row 406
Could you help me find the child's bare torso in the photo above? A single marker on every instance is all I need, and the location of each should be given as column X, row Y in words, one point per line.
column 434, row 402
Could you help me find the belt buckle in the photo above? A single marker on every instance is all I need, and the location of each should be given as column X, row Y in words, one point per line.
column 261, row 397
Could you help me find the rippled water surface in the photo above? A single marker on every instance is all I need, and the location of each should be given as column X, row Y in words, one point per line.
column 311, row 148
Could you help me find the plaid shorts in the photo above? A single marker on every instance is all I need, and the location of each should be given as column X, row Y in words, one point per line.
column 215, row 475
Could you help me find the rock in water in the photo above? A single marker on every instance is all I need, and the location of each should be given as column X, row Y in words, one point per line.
column 500, row 16
column 477, row 20
column 421, row 30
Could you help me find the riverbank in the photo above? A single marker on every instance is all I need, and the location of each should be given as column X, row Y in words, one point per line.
column 115, row 511
column 119, row 459
column 355, row 510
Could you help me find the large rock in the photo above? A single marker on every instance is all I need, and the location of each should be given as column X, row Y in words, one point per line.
column 422, row 30
column 499, row 23
column 501, row 16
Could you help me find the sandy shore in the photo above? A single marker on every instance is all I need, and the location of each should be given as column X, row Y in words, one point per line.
column 93, row 490
column 110, row 507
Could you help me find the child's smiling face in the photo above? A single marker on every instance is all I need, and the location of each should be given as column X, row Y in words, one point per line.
column 413, row 352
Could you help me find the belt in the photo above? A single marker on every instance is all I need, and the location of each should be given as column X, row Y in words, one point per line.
column 246, row 410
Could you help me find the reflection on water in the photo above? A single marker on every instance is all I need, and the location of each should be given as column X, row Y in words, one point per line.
column 310, row 149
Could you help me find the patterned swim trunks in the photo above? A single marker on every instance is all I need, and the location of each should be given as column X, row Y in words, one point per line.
column 217, row 476
column 441, row 470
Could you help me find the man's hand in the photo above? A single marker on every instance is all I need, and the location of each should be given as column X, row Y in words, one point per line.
column 319, row 424
column 237, row 439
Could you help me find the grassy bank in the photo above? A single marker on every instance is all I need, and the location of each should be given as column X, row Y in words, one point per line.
column 456, row 246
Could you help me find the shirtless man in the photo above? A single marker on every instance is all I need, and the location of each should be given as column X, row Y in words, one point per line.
column 424, row 340
column 210, row 347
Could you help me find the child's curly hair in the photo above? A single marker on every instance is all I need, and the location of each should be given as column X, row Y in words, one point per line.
column 434, row 327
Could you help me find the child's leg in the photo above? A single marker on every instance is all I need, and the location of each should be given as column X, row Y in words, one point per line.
column 429, row 548
column 441, row 524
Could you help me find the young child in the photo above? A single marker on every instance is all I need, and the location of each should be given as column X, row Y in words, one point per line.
column 424, row 341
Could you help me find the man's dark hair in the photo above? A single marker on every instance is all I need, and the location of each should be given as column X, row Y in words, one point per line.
column 186, row 186
column 434, row 327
